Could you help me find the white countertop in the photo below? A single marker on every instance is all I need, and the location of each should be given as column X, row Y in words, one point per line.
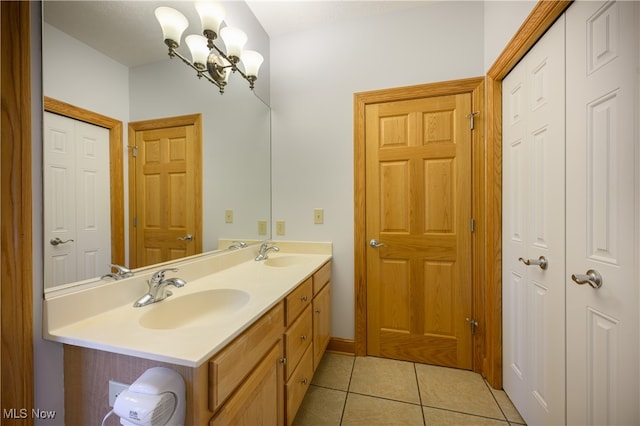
column 117, row 328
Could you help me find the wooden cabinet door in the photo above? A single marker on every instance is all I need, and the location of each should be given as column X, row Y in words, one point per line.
column 321, row 323
column 260, row 399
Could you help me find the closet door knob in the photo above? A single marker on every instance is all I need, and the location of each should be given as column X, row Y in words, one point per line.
column 542, row 262
column 593, row 278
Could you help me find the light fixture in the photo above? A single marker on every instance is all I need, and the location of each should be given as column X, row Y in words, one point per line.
column 207, row 59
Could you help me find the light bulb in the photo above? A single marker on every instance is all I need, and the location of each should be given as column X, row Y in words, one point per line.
column 211, row 16
column 173, row 24
column 234, row 40
column 251, row 61
column 199, row 50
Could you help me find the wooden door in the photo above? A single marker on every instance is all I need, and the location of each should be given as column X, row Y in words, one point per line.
column 167, row 222
column 533, row 222
column 603, row 376
column 77, row 226
column 418, row 205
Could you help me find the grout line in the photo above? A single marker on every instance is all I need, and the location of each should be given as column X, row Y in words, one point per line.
column 466, row 414
column 346, row 397
column 386, row 399
column 415, row 371
column 493, row 395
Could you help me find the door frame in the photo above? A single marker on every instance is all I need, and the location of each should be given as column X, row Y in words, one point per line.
column 473, row 86
column 160, row 123
column 116, row 175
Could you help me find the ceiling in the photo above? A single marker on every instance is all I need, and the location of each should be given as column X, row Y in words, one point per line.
column 111, row 26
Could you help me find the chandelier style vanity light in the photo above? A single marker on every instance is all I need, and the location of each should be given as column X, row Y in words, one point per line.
column 208, row 60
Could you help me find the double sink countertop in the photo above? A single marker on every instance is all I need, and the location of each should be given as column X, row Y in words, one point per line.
column 225, row 293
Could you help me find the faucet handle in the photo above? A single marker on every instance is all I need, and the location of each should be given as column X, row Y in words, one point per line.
column 159, row 276
column 122, row 270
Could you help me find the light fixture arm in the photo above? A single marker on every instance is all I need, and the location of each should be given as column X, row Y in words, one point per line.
column 234, row 64
column 200, row 71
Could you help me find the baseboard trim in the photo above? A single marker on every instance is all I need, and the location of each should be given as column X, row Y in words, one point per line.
column 346, row 346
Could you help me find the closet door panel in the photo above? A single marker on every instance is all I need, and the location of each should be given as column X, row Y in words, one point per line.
column 533, row 218
column 602, row 112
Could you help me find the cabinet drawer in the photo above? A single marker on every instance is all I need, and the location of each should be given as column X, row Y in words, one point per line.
column 321, row 277
column 298, row 384
column 298, row 299
column 297, row 339
column 238, row 358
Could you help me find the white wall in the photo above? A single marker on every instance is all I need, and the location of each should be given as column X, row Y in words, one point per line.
column 501, row 21
column 314, row 75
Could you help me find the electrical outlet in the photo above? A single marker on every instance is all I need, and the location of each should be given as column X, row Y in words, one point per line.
column 228, row 216
column 318, row 216
column 262, row 227
column 114, row 390
column 280, row 227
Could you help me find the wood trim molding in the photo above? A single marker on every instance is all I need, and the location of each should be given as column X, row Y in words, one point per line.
column 116, row 162
column 474, row 86
column 543, row 15
column 345, row 346
column 16, row 282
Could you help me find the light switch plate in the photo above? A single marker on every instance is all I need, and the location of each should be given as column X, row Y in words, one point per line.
column 262, row 227
column 228, row 216
column 318, row 216
column 280, row 227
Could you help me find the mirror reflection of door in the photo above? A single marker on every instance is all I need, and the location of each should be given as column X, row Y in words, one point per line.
column 166, row 177
column 77, row 226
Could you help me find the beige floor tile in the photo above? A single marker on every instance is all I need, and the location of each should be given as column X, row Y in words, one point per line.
column 507, row 406
column 385, row 378
column 457, row 390
column 321, row 406
column 334, row 371
column 365, row 410
column 436, row 416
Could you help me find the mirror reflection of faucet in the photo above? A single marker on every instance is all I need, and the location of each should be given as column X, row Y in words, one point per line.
column 120, row 273
column 264, row 250
column 158, row 288
column 235, row 245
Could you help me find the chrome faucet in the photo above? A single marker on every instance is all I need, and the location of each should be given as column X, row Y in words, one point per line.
column 158, row 288
column 121, row 272
column 264, row 249
column 238, row 245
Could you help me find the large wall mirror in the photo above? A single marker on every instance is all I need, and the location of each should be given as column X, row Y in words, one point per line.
column 108, row 58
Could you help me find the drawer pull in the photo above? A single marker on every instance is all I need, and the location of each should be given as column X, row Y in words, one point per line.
column 304, row 381
column 303, row 337
column 303, row 298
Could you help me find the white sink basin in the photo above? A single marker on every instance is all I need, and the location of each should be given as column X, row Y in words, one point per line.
column 200, row 307
column 285, row 261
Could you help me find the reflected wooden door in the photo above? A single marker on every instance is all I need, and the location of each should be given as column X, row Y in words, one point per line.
column 418, row 206
column 167, row 212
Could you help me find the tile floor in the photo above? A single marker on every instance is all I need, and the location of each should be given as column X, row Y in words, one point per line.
column 370, row 391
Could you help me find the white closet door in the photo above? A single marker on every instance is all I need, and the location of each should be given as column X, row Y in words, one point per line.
column 533, row 227
column 602, row 220
column 76, row 200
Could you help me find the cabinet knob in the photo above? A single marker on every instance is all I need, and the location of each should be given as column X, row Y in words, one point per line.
column 317, row 311
column 304, row 381
column 303, row 337
column 304, row 298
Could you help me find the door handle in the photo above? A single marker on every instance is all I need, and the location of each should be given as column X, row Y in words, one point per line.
column 55, row 241
column 593, row 278
column 187, row 237
column 542, row 262
column 375, row 244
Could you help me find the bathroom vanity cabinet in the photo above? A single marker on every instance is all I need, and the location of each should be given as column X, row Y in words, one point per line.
column 260, row 377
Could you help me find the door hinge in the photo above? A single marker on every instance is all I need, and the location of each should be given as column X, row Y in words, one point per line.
column 134, row 150
column 135, row 221
column 473, row 324
column 473, row 225
column 471, row 119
